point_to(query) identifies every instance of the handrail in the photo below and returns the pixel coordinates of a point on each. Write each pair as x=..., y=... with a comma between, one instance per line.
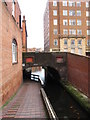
x=34, y=77
x=48, y=105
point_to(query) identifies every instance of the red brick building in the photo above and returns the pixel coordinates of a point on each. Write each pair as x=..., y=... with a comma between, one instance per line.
x=10, y=49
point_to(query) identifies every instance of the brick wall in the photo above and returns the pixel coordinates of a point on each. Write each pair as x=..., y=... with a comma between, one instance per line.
x=78, y=72
x=11, y=74
x=17, y=10
x=0, y=52
x=89, y=75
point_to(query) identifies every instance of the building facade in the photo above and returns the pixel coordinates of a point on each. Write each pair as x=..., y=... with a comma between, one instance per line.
x=10, y=49
x=67, y=26
x=24, y=35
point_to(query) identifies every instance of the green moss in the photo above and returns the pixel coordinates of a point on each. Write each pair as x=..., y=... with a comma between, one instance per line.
x=7, y=102
x=77, y=95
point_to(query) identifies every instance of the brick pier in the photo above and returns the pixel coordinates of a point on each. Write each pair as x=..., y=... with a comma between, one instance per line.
x=27, y=103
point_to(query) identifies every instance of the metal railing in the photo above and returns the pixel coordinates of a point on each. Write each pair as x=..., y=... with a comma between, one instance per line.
x=34, y=77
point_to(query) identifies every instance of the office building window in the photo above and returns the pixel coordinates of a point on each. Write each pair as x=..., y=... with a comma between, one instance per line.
x=79, y=42
x=72, y=32
x=54, y=12
x=78, y=13
x=54, y=3
x=64, y=12
x=65, y=42
x=71, y=3
x=87, y=4
x=88, y=42
x=64, y=3
x=55, y=42
x=14, y=51
x=87, y=13
x=65, y=31
x=72, y=22
x=65, y=50
x=79, y=23
x=78, y=4
x=72, y=42
x=88, y=23
x=72, y=50
x=88, y=32
x=55, y=31
x=71, y=12
x=55, y=21
x=65, y=22
x=80, y=51
x=79, y=32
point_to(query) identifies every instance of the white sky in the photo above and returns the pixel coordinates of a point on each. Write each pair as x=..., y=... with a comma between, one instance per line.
x=34, y=11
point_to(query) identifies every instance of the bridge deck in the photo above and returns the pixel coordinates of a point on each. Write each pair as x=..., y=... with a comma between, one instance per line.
x=27, y=103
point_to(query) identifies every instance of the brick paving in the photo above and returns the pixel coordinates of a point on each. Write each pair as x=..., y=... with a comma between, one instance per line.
x=27, y=103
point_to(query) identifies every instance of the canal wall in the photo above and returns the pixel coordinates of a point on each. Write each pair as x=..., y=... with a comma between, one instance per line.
x=79, y=72
x=11, y=73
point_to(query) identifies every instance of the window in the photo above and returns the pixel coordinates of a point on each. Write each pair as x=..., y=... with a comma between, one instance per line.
x=88, y=32
x=14, y=51
x=88, y=42
x=13, y=7
x=55, y=31
x=65, y=50
x=72, y=42
x=65, y=22
x=79, y=42
x=65, y=42
x=55, y=21
x=71, y=12
x=79, y=23
x=78, y=4
x=54, y=3
x=79, y=32
x=72, y=32
x=71, y=3
x=64, y=12
x=55, y=12
x=87, y=13
x=72, y=22
x=72, y=50
x=55, y=42
x=65, y=31
x=80, y=51
x=78, y=13
x=87, y=4
x=88, y=23
x=64, y=3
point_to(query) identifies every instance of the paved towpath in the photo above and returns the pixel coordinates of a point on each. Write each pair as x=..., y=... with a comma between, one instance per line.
x=27, y=103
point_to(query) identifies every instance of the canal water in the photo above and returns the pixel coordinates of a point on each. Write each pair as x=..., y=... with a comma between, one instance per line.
x=64, y=105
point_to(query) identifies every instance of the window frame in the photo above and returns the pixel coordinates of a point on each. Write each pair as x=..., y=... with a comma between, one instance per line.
x=78, y=4
x=14, y=52
x=54, y=12
x=55, y=22
x=65, y=13
x=54, y=3
x=79, y=21
x=78, y=12
x=65, y=22
x=64, y=3
x=55, y=42
x=88, y=42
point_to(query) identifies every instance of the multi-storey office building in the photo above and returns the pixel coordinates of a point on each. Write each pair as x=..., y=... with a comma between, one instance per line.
x=67, y=26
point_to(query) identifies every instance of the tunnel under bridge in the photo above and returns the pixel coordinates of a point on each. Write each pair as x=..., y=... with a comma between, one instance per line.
x=48, y=60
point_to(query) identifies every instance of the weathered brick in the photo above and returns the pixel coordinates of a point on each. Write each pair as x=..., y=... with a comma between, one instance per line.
x=10, y=74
